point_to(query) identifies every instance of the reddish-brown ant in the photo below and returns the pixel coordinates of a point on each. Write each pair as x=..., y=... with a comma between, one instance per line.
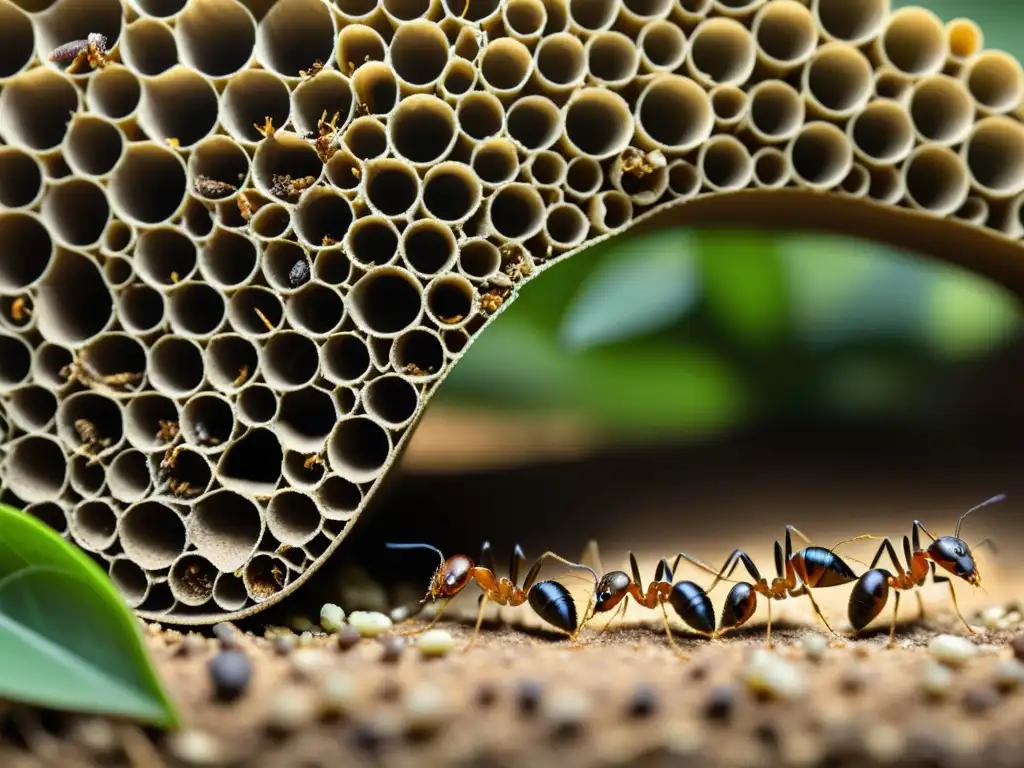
x=797, y=573
x=549, y=599
x=951, y=553
x=688, y=599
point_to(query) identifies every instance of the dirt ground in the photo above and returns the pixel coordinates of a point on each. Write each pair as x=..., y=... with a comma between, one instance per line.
x=523, y=697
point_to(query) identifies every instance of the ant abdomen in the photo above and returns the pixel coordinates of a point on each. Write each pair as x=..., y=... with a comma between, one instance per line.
x=868, y=597
x=693, y=605
x=824, y=568
x=553, y=603
x=740, y=604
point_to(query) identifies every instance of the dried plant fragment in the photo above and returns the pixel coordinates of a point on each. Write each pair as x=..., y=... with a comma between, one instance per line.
x=288, y=188
x=182, y=488
x=168, y=430
x=451, y=319
x=312, y=460
x=243, y=376
x=78, y=370
x=245, y=207
x=204, y=437
x=267, y=130
x=328, y=240
x=93, y=49
x=325, y=138
x=92, y=442
x=213, y=188
x=263, y=317
x=411, y=369
x=640, y=164
x=517, y=264
x=173, y=143
x=315, y=69
x=175, y=277
x=491, y=301
x=196, y=580
x=21, y=310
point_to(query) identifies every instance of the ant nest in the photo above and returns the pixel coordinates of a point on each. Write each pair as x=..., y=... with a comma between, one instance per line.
x=238, y=253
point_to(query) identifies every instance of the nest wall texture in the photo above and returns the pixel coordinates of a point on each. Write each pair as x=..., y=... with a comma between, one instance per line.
x=236, y=260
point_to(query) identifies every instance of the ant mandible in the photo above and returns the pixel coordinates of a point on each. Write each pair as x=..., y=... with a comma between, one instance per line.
x=689, y=600
x=549, y=599
x=796, y=574
x=951, y=553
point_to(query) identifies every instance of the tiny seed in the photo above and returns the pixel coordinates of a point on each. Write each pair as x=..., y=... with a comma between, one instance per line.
x=369, y=623
x=720, y=703
x=486, y=694
x=194, y=747
x=436, y=642
x=348, y=638
x=952, y=650
x=393, y=648
x=936, y=680
x=1009, y=674
x=332, y=618
x=190, y=645
x=528, y=696
x=338, y=693
x=644, y=701
x=290, y=710
x=284, y=644
x=979, y=700
x=230, y=672
x=389, y=689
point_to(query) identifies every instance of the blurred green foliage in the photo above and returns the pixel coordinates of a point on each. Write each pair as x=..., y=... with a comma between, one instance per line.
x=689, y=331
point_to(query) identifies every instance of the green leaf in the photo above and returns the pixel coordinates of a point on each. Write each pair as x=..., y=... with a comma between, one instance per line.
x=643, y=285
x=662, y=387
x=67, y=639
x=745, y=286
x=967, y=315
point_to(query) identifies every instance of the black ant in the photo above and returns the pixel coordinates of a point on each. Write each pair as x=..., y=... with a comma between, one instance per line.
x=951, y=553
x=689, y=600
x=796, y=574
x=549, y=599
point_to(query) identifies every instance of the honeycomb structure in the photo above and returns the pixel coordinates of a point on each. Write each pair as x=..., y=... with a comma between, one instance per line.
x=241, y=243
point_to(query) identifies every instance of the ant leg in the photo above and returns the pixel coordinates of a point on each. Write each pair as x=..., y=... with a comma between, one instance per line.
x=621, y=609
x=433, y=621
x=668, y=634
x=768, y=636
x=892, y=627
x=952, y=594
x=817, y=610
x=920, y=605
x=479, y=621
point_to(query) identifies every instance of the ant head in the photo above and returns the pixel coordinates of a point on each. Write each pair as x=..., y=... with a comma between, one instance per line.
x=451, y=577
x=954, y=555
x=610, y=590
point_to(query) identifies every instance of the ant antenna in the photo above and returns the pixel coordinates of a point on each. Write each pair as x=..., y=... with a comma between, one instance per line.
x=960, y=522
x=418, y=545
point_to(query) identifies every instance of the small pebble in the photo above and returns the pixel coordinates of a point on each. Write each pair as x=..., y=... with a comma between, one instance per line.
x=284, y=644
x=393, y=645
x=980, y=699
x=96, y=734
x=426, y=708
x=567, y=711
x=290, y=710
x=190, y=645
x=231, y=673
x=195, y=747
x=305, y=640
x=815, y=646
x=1018, y=647
x=952, y=650
x=768, y=734
x=229, y=636
x=1009, y=674
x=399, y=614
x=389, y=689
x=936, y=680
x=682, y=737
x=720, y=703
x=992, y=617
x=644, y=701
x=436, y=642
x=884, y=743
x=699, y=672
x=369, y=623
x=486, y=694
x=853, y=679
x=301, y=624
x=348, y=638
x=367, y=736
x=528, y=696
x=332, y=618
x=338, y=693
x=310, y=663
x=770, y=675
x=299, y=273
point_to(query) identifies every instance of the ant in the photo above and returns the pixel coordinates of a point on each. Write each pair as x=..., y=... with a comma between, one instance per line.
x=689, y=600
x=549, y=599
x=951, y=553
x=796, y=574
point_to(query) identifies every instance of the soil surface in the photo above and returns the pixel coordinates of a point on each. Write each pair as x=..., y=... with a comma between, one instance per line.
x=527, y=697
